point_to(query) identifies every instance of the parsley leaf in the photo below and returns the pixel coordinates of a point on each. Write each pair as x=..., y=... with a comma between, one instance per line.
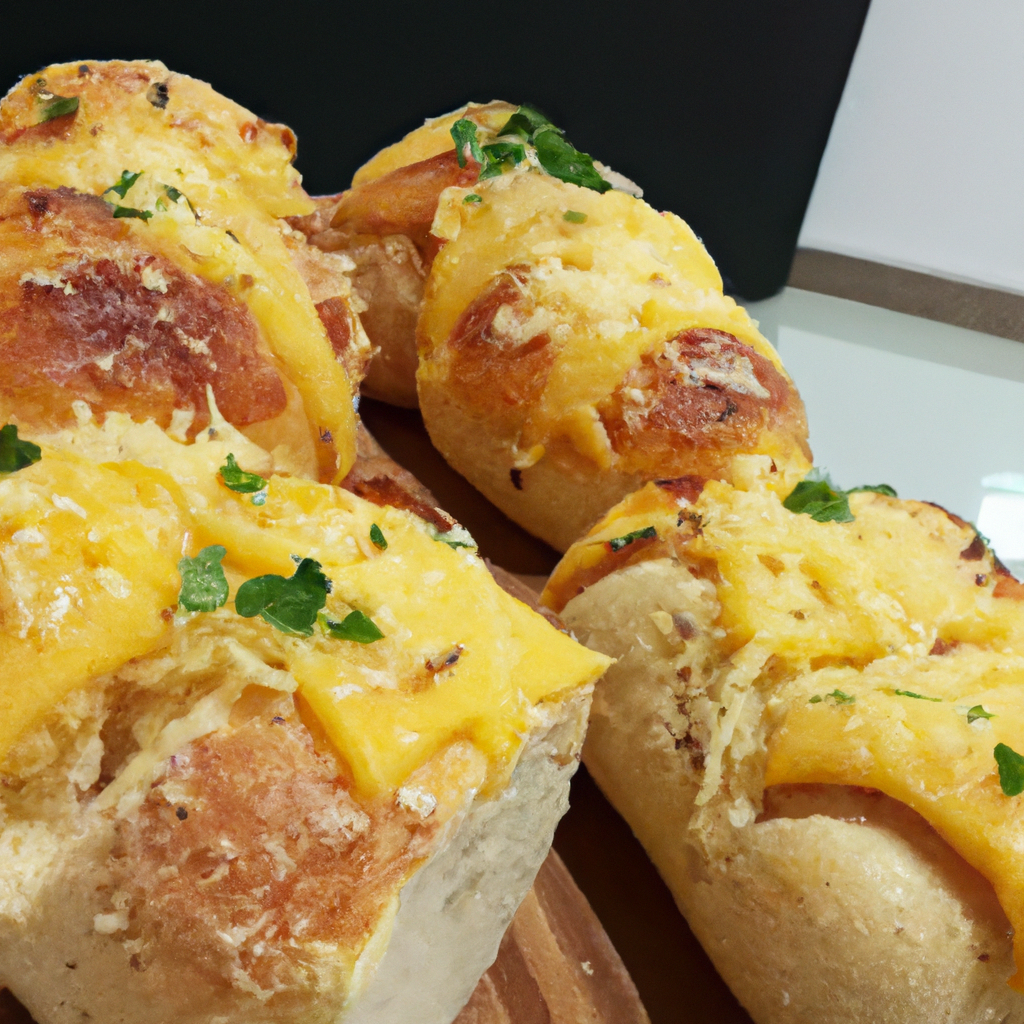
x=124, y=183
x=288, y=604
x=618, y=543
x=16, y=454
x=917, y=696
x=131, y=211
x=1011, y=769
x=498, y=156
x=237, y=479
x=356, y=626
x=464, y=134
x=204, y=587
x=58, y=107
x=563, y=161
x=377, y=537
x=574, y=216
x=473, y=198
x=817, y=497
x=836, y=695
x=977, y=712
x=524, y=123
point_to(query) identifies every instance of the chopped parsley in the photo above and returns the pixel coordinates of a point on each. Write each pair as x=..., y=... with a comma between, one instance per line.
x=916, y=696
x=473, y=198
x=466, y=147
x=574, y=216
x=618, y=543
x=456, y=537
x=131, y=211
x=58, y=107
x=356, y=626
x=500, y=155
x=204, y=588
x=289, y=604
x=1011, y=769
x=377, y=537
x=817, y=497
x=973, y=714
x=123, y=184
x=237, y=479
x=16, y=454
x=837, y=696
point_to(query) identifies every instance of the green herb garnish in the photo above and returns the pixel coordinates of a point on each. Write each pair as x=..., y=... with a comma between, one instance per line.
x=563, y=161
x=237, y=479
x=377, y=537
x=618, y=543
x=500, y=155
x=473, y=198
x=204, y=588
x=574, y=216
x=356, y=626
x=525, y=122
x=16, y=454
x=977, y=712
x=464, y=134
x=916, y=696
x=123, y=184
x=289, y=604
x=58, y=107
x=836, y=695
x=131, y=211
x=817, y=497
x=456, y=537
x=1011, y=769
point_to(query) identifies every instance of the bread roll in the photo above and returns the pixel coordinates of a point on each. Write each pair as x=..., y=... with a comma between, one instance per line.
x=171, y=275
x=213, y=817
x=802, y=729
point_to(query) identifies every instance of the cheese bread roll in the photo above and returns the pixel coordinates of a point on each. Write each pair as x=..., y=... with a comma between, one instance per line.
x=144, y=258
x=382, y=223
x=576, y=343
x=816, y=730
x=270, y=752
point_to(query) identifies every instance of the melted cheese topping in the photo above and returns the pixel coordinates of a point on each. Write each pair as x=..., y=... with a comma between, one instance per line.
x=236, y=172
x=862, y=646
x=89, y=564
x=607, y=290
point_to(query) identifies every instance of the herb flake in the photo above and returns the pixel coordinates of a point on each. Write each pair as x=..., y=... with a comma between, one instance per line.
x=237, y=479
x=463, y=133
x=377, y=537
x=123, y=184
x=59, y=106
x=204, y=588
x=973, y=714
x=817, y=497
x=916, y=696
x=1011, y=769
x=356, y=626
x=836, y=696
x=574, y=216
x=15, y=453
x=473, y=198
x=289, y=604
x=618, y=543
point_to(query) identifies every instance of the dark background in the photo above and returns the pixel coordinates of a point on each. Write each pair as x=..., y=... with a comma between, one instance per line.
x=719, y=109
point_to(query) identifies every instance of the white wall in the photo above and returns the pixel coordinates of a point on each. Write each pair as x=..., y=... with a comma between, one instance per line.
x=924, y=166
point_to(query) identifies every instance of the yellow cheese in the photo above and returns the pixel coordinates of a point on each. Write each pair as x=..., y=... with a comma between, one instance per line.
x=388, y=707
x=236, y=172
x=607, y=290
x=867, y=643
x=88, y=558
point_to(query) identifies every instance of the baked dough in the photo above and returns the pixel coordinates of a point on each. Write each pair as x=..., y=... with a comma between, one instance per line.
x=835, y=893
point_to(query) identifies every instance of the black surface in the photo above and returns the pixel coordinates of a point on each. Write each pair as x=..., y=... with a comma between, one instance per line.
x=720, y=109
